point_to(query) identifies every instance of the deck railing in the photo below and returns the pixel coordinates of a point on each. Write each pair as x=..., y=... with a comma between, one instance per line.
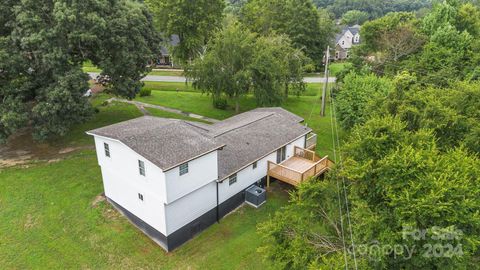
x=305, y=153
x=295, y=177
x=317, y=168
x=286, y=174
x=311, y=141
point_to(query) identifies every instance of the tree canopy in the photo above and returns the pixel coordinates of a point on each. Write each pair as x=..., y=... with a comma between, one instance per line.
x=441, y=48
x=238, y=61
x=308, y=29
x=193, y=21
x=43, y=46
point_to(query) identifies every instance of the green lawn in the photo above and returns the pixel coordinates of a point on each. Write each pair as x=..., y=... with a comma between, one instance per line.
x=166, y=72
x=336, y=67
x=107, y=115
x=201, y=104
x=169, y=86
x=89, y=67
x=164, y=114
x=48, y=221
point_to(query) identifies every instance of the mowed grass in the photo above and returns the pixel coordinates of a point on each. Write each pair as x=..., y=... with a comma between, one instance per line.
x=165, y=114
x=307, y=106
x=113, y=113
x=89, y=67
x=49, y=220
x=336, y=67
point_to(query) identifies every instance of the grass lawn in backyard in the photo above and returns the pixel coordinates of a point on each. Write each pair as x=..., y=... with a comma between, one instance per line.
x=164, y=114
x=50, y=215
x=49, y=220
x=307, y=106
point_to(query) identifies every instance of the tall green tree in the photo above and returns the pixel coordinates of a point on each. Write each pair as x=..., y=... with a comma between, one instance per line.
x=298, y=19
x=358, y=95
x=237, y=61
x=397, y=182
x=193, y=21
x=42, y=51
x=352, y=17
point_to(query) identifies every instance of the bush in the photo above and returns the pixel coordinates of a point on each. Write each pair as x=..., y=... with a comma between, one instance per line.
x=309, y=68
x=145, y=92
x=220, y=103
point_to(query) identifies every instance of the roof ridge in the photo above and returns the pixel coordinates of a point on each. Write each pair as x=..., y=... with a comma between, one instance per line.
x=244, y=125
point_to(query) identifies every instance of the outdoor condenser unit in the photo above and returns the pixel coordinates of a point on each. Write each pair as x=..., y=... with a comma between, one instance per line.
x=255, y=196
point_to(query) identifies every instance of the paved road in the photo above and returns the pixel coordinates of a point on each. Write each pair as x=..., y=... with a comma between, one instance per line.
x=156, y=78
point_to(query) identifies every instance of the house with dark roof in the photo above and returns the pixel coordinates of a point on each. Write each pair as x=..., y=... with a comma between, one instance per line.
x=164, y=59
x=174, y=178
x=345, y=40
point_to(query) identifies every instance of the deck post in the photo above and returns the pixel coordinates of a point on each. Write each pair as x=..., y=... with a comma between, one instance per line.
x=268, y=181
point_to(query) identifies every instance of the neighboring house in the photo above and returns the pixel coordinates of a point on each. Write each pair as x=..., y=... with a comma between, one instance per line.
x=350, y=36
x=165, y=57
x=174, y=178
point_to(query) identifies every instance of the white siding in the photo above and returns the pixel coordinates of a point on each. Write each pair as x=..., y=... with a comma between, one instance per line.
x=201, y=171
x=188, y=208
x=248, y=176
x=122, y=182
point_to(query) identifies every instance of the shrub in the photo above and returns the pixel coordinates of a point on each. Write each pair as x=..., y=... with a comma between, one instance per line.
x=220, y=103
x=145, y=92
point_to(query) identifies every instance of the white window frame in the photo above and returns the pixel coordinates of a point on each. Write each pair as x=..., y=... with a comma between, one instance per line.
x=183, y=169
x=106, y=147
x=140, y=196
x=141, y=167
x=232, y=179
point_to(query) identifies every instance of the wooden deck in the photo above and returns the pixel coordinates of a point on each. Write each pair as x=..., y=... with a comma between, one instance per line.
x=304, y=165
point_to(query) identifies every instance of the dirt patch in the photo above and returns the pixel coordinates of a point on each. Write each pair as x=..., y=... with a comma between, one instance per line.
x=111, y=214
x=95, y=87
x=30, y=222
x=98, y=199
x=21, y=149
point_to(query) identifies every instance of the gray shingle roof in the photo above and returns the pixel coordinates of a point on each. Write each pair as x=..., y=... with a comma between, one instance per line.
x=251, y=142
x=164, y=142
x=245, y=138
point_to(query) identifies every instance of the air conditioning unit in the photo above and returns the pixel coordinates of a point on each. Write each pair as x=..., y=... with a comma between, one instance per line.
x=255, y=196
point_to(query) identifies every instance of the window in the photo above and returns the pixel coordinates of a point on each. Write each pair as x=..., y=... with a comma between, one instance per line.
x=254, y=165
x=140, y=197
x=343, y=42
x=232, y=179
x=141, y=167
x=281, y=153
x=107, y=149
x=183, y=168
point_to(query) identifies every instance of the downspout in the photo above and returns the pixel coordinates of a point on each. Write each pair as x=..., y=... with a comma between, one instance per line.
x=218, y=215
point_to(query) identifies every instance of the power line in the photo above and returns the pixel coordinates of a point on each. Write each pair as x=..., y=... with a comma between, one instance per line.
x=333, y=117
x=339, y=199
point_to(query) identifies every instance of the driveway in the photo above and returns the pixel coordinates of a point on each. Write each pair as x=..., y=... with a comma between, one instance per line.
x=156, y=78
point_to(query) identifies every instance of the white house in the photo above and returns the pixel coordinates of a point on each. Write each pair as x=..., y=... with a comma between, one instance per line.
x=174, y=178
x=344, y=41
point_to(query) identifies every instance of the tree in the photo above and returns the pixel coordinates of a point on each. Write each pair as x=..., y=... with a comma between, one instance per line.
x=352, y=17
x=298, y=19
x=42, y=50
x=397, y=182
x=401, y=182
x=193, y=21
x=357, y=95
x=224, y=67
x=237, y=61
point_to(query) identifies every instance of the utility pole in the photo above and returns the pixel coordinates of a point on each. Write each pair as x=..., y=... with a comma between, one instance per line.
x=324, y=92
